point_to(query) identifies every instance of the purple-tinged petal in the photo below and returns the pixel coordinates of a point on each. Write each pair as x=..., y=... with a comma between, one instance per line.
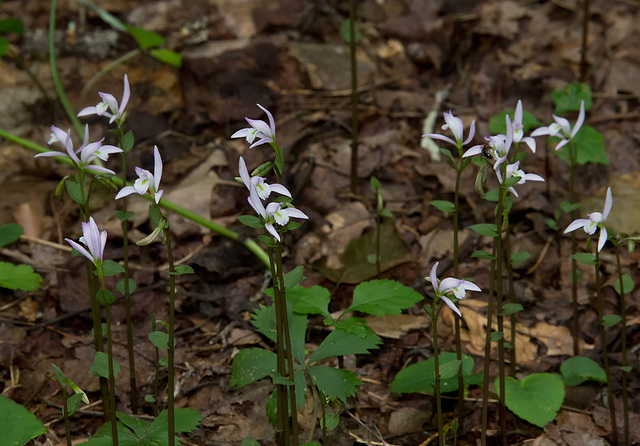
x=52, y=153
x=272, y=124
x=517, y=116
x=81, y=250
x=530, y=142
x=296, y=213
x=99, y=169
x=475, y=150
x=260, y=126
x=242, y=133
x=157, y=196
x=540, y=131
x=472, y=132
x=244, y=172
x=608, y=203
x=580, y=120
x=434, y=278
x=471, y=286
x=126, y=191
x=269, y=227
x=440, y=137
x=88, y=111
x=451, y=305
x=603, y=238
x=579, y=223
x=562, y=143
x=265, y=140
x=157, y=168
x=280, y=189
x=125, y=95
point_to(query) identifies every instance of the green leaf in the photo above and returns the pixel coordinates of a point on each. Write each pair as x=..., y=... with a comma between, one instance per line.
x=75, y=192
x=352, y=325
x=374, y=183
x=483, y=255
x=18, y=277
x=185, y=419
x=509, y=309
x=589, y=147
x=250, y=365
x=340, y=343
x=111, y=268
x=160, y=339
x=586, y=258
x=567, y=207
x=383, y=297
x=496, y=336
x=23, y=424
x=335, y=383
x=611, y=319
x=627, y=284
x=10, y=233
x=100, y=366
x=331, y=420
x=146, y=39
x=169, y=57
x=120, y=286
x=443, y=205
x=128, y=141
x=264, y=319
x=519, y=257
x=250, y=442
x=626, y=368
x=11, y=25
x=579, y=369
x=150, y=398
x=492, y=195
x=4, y=46
x=124, y=216
x=181, y=270
x=73, y=402
x=420, y=377
x=552, y=223
x=59, y=375
x=345, y=31
x=105, y=297
x=293, y=277
x=486, y=229
x=251, y=220
x=570, y=97
x=449, y=369
x=312, y=300
x=268, y=241
x=536, y=399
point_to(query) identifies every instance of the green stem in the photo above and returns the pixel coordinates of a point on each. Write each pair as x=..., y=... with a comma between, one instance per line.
x=499, y=298
x=250, y=244
x=487, y=351
x=171, y=349
x=354, y=97
x=112, y=381
x=575, y=327
x=65, y=413
x=456, y=263
x=512, y=299
x=625, y=360
x=156, y=381
x=605, y=354
x=436, y=362
x=54, y=73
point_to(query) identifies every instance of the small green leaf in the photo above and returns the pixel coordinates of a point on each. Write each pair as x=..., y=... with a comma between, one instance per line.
x=100, y=366
x=420, y=377
x=160, y=339
x=496, y=336
x=146, y=39
x=167, y=56
x=579, y=369
x=105, y=297
x=251, y=220
x=331, y=419
x=181, y=270
x=345, y=31
x=443, y=205
x=374, y=183
x=75, y=192
x=10, y=233
x=73, y=402
x=589, y=147
x=483, y=255
x=150, y=398
x=519, y=257
x=268, y=241
x=293, y=277
x=509, y=309
x=250, y=442
x=11, y=25
x=18, y=277
x=536, y=399
x=111, y=268
x=124, y=216
x=128, y=141
x=486, y=229
x=335, y=383
x=250, y=365
x=626, y=368
x=492, y=195
x=567, y=207
x=59, y=375
x=627, y=283
x=120, y=286
x=552, y=223
x=586, y=258
x=340, y=343
x=611, y=319
x=312, y=300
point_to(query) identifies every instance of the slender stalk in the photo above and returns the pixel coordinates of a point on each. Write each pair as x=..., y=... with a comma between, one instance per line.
x=65, y=413
x=156, y=380
x=112, y=380
x=354, y=97
x=378, y=223
x=436, y=368
x=456, y=262
x=625, y=359
x=499, y=297
x=512, y=299
x=584, y=66
x=248, y=243
x=487, y=352
x=575, y=327
x=605, y=354
x=171, y=350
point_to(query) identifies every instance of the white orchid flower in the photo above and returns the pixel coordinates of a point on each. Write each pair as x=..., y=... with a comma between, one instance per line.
x=562, y=128
x=451, y=285
x=258, y=129
x=513, y=170
x=259, y=183
x=457, y=128
x=109, y=105
x=147, y=182
x=596, y=220
x=93, y=239
x=518, y=129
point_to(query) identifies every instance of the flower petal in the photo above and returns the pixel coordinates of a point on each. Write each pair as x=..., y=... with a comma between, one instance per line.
x=81, y=250
x=603, y=238
x=126, y=191
x=434, y=278
x=579, y=223
x=157, y=168
x=608, y=203
x=451, y=305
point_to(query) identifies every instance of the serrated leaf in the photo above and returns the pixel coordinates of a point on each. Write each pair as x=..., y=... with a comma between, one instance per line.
x=181, y=270
x=509, y=309
x=10, y=233
x=250, y=365
x=611, y=319
x=519, y=257
x=627, y=284
x=100, y=366
x=340, y=343
x=579, y=369
x=23, y=424
x=586, y=258
x=312, y=300
x=536, y=399
x=420, y=377
x=486, y=229
x=352, y=325
x=18, y=277
x=383, y=298
x=335, y=383
x=443, y=205
x=264, y=319
x=483, y=255
x=111, y=268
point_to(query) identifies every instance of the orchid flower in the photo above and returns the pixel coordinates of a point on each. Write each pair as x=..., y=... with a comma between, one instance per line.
x=455, y=125
x=513, y=170
x=147, y=182
x=258, y=129
x=109, y=106
x=518, y=129
x=93, y=239
x=259, y=183
x=498, y=145
x=596, y=220
x=562, y=129
x=451, y=285
x=274, y=213
x=88, y=151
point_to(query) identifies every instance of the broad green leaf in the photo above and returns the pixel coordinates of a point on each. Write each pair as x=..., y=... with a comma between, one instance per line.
x=331, y=419
x=352, y=325
x=443, y=205
x=627, y=284
x=169, y=57
x=181, y=270
x=579, y=369
x=611, y=319
x=335, y=383
x=4, y=46
x=185, y=420
x=509, y=309
x=420, y=377
x=125, y=437
x=449, y=369
x=312, y=300
x=128, y=140
x=251, y=220
x=383, y=297
x=160, y=339
x=536, y=399
x=496, y=336
x=492, y=195
x=120, y=285
x=497, y=123
x=75, y=192
x=293, y=277
x=519, y=257
x=340, y=343
x=10, y=233
x=20, y=425
x=105, y=297
x=11, y=25
x=18, y=277
x=59, y=375
x=589, y=147
x=100, y=366
x=483, y=255
x=586, y=258
x=73, y=402
x=250, y=442
x=250, y=365
x=570, y=97
x=486, y=229
x=146, y=39
x=111, y=268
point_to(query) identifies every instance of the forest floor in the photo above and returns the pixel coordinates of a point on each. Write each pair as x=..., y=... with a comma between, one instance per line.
x=289, y=56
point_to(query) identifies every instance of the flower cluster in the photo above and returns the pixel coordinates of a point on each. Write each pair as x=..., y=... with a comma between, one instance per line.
x=449, y=286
